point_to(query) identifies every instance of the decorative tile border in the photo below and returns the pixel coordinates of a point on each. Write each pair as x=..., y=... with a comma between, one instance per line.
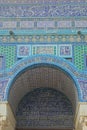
x=63, y=39
x=71, y=67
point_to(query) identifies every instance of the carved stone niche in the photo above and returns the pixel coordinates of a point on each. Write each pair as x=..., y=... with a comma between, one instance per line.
x=83, y=122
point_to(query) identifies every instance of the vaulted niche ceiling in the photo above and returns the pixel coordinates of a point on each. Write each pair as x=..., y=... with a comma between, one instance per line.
x=42, y=76
x=44, y=108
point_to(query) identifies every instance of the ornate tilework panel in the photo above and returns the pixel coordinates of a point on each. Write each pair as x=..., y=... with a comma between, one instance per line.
x=79, y=54
x=23, y=50
x=45, y=108
x=3, y=84
x=46, y=24
x=44, y=49
x=64, y=24
x=83, y=86
x=65, y=50
x=26, y=24
x=9, y=53
x=81, y=23
x=62, y=10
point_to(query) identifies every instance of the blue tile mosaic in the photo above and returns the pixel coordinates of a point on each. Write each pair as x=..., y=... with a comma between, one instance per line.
x=52, y=16
x=43, y=11
x=44, y=107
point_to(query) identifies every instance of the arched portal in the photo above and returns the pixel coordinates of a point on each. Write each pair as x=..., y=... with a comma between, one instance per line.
x=43, y=75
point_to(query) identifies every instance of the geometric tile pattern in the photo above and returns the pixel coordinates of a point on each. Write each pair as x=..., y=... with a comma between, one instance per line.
x=44, y=107
x=46, y=15
x=79, y=56
x=12, y=53
x=46, y=59
x=41, y=38
x=9, y=53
